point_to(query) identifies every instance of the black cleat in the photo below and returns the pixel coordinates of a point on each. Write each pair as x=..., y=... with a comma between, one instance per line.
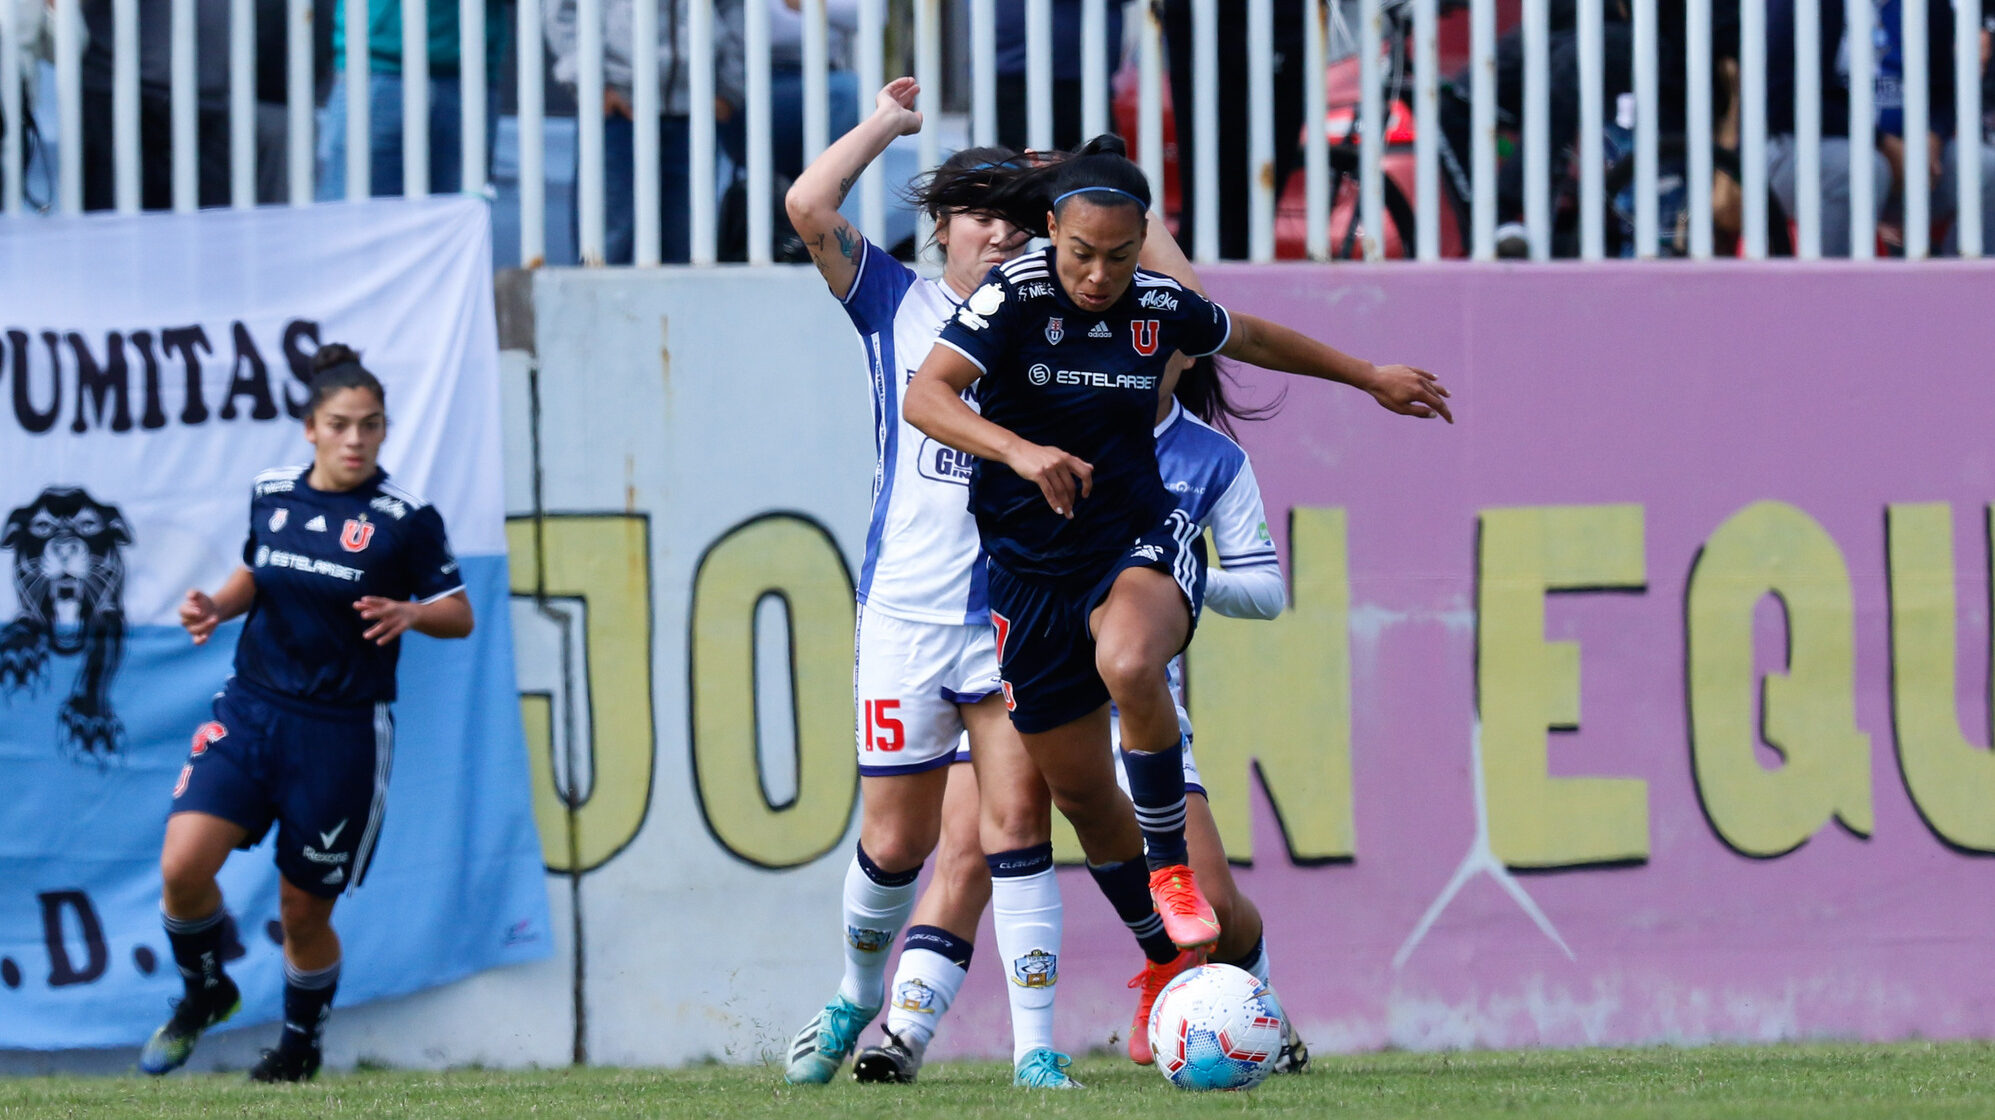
x=286, y=1064
x=893, y=1061
x=1294, y=1054
x=173, y=1043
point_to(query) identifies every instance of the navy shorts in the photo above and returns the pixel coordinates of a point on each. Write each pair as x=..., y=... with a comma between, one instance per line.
x=1045, y=651
x=319, y=773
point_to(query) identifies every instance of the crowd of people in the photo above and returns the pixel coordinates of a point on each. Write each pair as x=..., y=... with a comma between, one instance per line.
x=1949, y=139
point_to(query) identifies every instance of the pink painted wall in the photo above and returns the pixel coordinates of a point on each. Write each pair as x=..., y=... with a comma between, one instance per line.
x=1692, y=391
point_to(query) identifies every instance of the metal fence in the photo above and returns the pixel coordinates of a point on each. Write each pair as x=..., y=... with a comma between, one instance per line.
x=1398, y=70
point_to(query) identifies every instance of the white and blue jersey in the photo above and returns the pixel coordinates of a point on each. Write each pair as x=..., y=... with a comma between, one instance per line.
x=1213, y=482
x=313, y=553
x=923, y=562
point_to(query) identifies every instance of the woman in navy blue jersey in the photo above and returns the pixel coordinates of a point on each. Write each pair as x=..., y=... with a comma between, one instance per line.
x=339, y=564
x=1096, y=577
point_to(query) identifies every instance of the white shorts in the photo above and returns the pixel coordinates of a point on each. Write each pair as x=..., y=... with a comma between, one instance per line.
x=907, y=683
x=1192, y=782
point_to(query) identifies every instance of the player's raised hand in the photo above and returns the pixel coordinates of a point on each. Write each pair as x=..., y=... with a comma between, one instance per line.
x=391, y=617
x=199, y=616
x=1058, y=475
x=896, y=103
x=1411, y=392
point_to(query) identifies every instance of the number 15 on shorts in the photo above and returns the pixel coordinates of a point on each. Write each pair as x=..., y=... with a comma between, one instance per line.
x=884, y=730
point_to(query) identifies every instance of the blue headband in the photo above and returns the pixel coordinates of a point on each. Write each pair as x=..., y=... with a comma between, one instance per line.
x=1140, y=205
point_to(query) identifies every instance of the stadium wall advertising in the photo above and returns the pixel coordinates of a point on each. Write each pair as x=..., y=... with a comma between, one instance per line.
x=1648, y=703
x=151, y=367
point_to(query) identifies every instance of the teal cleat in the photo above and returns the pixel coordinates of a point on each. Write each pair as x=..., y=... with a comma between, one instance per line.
x=1044, y=1069
x=826, y=1041
x=172, y=1044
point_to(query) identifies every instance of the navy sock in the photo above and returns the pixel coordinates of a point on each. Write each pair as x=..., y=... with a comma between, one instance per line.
x=308, y=1000
x=1157, y=786
x=1251, y=958
x=197, y=949
x=941, y=942
x=1126, y=885
x=883, y=877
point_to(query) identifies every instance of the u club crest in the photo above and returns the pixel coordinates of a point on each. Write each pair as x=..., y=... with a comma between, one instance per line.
x=356, y=533
x=1055, y=331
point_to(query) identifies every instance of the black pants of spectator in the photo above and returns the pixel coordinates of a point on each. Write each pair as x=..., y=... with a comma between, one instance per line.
x=155, y=154
x=1235, y=176
x=1617, y=78
x=1013, y=126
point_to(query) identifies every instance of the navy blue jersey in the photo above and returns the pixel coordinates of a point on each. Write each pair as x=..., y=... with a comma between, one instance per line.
x=315, y=553
x=1085, y=383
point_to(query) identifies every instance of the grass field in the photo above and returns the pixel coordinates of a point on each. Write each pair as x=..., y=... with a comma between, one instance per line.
x=1908, y=1080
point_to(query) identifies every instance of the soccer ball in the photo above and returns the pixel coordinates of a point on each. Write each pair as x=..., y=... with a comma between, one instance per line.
x=1216, y=1027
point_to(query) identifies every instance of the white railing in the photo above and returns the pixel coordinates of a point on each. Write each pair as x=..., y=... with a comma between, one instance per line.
x=1396, y=60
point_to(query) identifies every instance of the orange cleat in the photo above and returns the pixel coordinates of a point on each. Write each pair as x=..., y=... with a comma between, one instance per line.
x=1188, y=918
x=1149, y=983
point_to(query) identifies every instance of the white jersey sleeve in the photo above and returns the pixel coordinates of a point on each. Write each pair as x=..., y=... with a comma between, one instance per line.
x=1249, y=582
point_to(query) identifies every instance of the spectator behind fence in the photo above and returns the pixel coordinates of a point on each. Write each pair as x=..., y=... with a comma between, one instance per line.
x=384, y=98
x=1617, y=78
x=1938, y=158
x=1234, y=126
x=211, y=52
x=1012, y=123
x=786, y=80
x=674, y=131
x=1782, y=150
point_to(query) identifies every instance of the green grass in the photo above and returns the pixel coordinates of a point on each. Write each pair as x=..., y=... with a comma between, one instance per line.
x=1760, y=1083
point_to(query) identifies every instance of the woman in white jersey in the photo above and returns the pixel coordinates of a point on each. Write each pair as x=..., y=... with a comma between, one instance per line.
x=926, y=659
x=1214, y=483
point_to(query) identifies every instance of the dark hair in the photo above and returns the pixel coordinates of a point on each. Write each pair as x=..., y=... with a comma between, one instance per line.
x=337, y=366
x=939, y=192
x=1204, y=389
x=1022, y=192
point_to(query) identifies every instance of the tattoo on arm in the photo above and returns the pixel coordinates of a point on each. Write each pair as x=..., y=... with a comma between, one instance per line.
x=845, y=187
x=848, y=241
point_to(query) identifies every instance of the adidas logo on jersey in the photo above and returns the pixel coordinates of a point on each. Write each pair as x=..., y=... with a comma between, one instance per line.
x=317, y=524
x=1101, y=331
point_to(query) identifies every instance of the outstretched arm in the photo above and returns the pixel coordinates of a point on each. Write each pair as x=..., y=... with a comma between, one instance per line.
x=814, y=198
x=1403, y=389
x=935, y=405
x=200, y=613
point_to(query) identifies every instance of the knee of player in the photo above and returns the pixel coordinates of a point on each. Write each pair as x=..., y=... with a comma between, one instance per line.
x=1010, y=827
x=1129, y=670
x=183, y=879
x=895, y=850
x=302, y=913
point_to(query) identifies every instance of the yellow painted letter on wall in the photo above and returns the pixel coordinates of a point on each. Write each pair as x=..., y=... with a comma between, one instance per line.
x=1952, y=781
x=1809, y=712
x=788, y=556
x=599, y=569
x=1526, y=684
x=1278, y=693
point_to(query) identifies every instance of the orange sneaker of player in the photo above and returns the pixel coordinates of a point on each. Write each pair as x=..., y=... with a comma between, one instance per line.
x=1150, y=982
x=1188, y=918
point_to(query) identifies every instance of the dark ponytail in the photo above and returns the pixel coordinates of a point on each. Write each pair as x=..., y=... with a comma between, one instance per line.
x=963, y=174
x=337, y=366
x=1205, y=390
x=1022, y=191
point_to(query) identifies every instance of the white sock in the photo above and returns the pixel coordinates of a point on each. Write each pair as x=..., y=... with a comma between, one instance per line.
x=925, y=984
x=874, y=915
x=1026, y=912
x=1259, y=969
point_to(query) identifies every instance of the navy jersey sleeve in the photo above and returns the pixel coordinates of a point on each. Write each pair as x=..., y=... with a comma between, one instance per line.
x=432, y=569
x=877, y=290
x=249, y=537
x=1205, y=326
x=982, y=329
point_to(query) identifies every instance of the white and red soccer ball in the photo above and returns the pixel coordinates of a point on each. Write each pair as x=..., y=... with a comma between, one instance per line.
x=1216, y=1027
